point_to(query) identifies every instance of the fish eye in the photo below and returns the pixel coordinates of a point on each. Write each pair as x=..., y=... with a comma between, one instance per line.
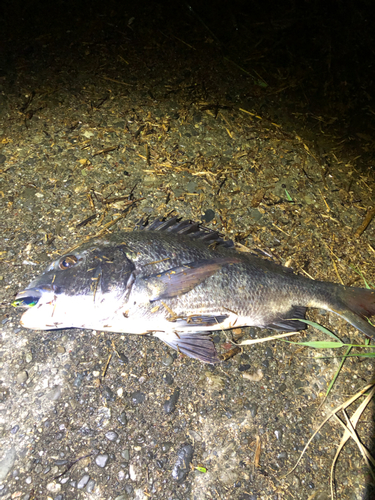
x=67, y=262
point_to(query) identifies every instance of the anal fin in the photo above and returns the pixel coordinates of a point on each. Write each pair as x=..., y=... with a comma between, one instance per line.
x=285, y=322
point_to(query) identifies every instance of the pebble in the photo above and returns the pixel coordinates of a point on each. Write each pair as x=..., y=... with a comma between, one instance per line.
x=108, y=394
x=132, y=473
x=125, y=455
x=182, y=465
x=22, y=377
x=253, y=407
x=83, y=481
x=14, y=429
x=53, y=487
x=78, y=380
x=194, y=435
x=166, y=446
x=254, y=377
x=7, y=463
x=90, y=486
x=167, y=360
x=101, y=460
x=167, y=378
x=268, y=352
x=208, y=216
x=60, y=349
x=28, y=357
x=138, y=397
x=111, y=435
x=279, y=434
x=243, y=368
x=123, y=359
x=170, y=405
x=122, y=418
x=61, y=462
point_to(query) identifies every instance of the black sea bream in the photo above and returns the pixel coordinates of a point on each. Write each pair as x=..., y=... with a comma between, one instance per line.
x=179, y=283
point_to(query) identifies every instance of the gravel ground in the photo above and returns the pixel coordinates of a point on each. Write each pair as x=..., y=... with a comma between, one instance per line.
x=110, y=114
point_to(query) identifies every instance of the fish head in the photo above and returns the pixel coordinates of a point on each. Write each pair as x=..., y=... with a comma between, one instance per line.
x=81, y=289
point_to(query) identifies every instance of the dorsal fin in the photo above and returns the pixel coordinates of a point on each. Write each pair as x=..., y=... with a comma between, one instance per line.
x=187, y=228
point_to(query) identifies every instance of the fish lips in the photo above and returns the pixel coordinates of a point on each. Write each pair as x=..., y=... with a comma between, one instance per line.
x=32, y=296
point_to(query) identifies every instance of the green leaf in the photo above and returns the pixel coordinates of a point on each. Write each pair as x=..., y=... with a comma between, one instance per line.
x=338, y=370
x=288, y=197
x=201, y=469
x=319, y=327
x=361, y=275
x=319, y=344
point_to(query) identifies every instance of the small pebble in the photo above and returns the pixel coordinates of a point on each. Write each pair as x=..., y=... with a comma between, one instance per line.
x=122, y=418
x=167, y=378
x=53, y=487
x=194, y=435
x=22, y=377
x=78, y=380
x=208, y=216
x=167, y=360
x=60, y=462
x=243, y=368
x=279, y=434
x=83, y=481
x=111, y=435
x=182, y=465
x=170, y=405
x=268, y=352
x=60, y=349
x=108, y=394
x=253, y=407
x=166, y=446
x=101, y=460
x=122, y=358
x=90, y=486
x=254, y=377
x=138, y=397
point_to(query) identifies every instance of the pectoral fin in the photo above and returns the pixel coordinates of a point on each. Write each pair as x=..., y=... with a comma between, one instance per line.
x=179, y=280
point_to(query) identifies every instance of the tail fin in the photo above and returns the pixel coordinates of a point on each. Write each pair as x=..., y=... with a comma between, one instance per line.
x=356, y=305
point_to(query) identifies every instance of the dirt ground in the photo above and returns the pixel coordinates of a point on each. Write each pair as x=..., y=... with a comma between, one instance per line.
x=257, y=120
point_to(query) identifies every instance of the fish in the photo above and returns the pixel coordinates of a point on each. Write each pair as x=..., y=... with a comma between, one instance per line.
x=180, y=282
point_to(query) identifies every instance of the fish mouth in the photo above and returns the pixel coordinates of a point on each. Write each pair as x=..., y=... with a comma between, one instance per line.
x=31, y=296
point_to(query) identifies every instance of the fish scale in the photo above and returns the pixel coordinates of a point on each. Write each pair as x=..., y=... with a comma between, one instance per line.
x=179, y=282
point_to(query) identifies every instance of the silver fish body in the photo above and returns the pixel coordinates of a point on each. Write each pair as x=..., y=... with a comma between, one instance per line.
x=179, y=283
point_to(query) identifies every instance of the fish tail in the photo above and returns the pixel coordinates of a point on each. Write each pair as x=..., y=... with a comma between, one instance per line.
x=357, y=305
